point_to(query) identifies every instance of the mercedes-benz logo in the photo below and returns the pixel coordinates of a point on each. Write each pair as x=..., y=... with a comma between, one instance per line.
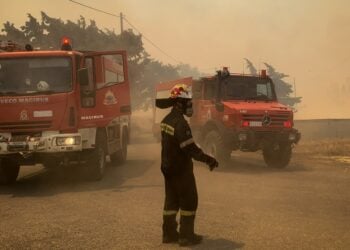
x=266, y=121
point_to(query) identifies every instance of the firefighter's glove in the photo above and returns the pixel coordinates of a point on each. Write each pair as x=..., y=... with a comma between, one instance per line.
x=212, y=163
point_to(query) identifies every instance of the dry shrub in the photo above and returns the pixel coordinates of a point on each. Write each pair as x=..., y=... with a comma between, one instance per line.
x=329, y=147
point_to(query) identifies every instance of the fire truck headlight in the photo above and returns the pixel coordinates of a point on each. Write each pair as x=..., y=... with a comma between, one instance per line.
x=67, y=141
x=3, y=139
x=225, y=118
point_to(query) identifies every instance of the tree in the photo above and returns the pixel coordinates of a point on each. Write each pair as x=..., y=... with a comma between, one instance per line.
x=283, y=88
x=33, y=31
x=251, y=67
x=12, y=33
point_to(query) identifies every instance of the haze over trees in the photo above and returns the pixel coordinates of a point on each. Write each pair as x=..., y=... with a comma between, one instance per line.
x=144, y=71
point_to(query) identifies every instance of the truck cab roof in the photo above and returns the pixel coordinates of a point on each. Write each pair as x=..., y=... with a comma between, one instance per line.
x=40, y=53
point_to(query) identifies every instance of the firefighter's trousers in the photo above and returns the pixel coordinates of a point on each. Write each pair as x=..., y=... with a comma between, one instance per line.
x=180, y=194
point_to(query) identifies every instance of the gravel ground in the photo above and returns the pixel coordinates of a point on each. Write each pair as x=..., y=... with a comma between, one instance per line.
x=244, y=205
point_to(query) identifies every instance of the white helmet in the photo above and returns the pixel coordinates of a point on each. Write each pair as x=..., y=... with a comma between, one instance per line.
x=43, y=86
x=181, y=91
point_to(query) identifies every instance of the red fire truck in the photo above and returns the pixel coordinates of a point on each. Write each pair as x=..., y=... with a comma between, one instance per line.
x=60, y=107
x=238, y=112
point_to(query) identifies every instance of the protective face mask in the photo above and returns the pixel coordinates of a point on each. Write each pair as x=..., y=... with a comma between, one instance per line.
x=188, y=109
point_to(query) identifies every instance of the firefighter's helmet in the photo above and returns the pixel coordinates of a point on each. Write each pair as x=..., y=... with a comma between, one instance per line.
x=181, y=91
x=43, y=86
x=178, y=92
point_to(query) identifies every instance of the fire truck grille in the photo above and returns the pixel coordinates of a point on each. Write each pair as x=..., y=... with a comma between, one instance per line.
x=25, y=125
x=276, y=119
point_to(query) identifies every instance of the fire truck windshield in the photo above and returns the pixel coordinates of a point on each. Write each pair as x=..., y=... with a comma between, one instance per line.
x=248, y=88
x=31, y=76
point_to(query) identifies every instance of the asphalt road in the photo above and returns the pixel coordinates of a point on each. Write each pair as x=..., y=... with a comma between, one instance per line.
x=242, y=206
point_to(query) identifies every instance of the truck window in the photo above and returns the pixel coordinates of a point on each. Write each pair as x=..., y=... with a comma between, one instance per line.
x=248, y=89
x=264, y=89
x=113, y=70
x=89, y=64
x=23, y=76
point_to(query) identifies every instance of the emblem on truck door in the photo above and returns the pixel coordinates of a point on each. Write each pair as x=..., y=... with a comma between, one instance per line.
x=109, y=98
x=23, y=116
x=266, y=120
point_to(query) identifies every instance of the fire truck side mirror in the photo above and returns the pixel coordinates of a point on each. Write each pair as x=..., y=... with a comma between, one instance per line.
x=219, y=107
x=83, y=77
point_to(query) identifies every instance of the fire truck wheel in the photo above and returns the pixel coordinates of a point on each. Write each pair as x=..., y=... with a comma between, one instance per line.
x=279, y=156
x=119, y=157
x=97, y=159
x=9, y=170
x=214, y=146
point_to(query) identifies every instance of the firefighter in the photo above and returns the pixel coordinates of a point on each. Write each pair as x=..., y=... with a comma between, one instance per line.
x=178, y=149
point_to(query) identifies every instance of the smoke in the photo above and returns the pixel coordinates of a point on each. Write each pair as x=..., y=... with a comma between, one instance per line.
x=309, y=40
x=331, y=101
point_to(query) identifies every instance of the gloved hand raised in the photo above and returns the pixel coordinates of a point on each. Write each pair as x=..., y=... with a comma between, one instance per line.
x=212, y=163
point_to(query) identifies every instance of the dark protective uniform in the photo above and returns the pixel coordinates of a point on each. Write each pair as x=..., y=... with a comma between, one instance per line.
x=178, y=149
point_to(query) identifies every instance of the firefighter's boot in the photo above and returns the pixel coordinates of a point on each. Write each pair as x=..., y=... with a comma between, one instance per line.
x=170, y=234
x=187, y=236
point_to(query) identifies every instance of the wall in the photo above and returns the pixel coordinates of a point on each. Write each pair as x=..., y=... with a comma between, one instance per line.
x=323, y=128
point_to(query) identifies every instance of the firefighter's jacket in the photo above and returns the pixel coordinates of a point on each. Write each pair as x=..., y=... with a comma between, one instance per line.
x=178, y=147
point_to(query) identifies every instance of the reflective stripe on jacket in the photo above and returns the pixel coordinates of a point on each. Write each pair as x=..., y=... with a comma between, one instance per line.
x=178, y=146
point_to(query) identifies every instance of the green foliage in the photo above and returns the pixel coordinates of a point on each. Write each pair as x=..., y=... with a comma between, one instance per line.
x=282, y=87
x=144, y=72
x=12, y=33
x=251, y=67
x=33, y=31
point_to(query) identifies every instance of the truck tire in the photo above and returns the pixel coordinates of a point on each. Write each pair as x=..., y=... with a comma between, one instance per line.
x=9, y=170
x=214, y=146
x=278, y=157
x=119, y=157
x=96, y=161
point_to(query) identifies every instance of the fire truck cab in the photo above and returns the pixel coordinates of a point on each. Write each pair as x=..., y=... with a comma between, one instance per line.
x=63, y=106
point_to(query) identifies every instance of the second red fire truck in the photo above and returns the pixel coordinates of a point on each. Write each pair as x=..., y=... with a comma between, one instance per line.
x=237, y=112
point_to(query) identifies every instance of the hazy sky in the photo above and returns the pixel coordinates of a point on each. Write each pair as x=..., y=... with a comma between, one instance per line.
x=309, y=40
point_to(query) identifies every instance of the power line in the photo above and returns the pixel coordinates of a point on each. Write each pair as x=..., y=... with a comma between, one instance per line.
x=92, y=8
x=131, y=25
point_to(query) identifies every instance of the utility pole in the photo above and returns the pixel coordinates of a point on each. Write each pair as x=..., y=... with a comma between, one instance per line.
x=295, y=88
x=121, y=23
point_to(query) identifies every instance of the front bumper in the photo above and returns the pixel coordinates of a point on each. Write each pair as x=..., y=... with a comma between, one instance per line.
x=253, y=140
x=53, y=143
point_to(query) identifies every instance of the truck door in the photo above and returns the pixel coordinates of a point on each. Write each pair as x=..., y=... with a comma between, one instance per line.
x=197, y=96
x=207, y=103
x=105, y=102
